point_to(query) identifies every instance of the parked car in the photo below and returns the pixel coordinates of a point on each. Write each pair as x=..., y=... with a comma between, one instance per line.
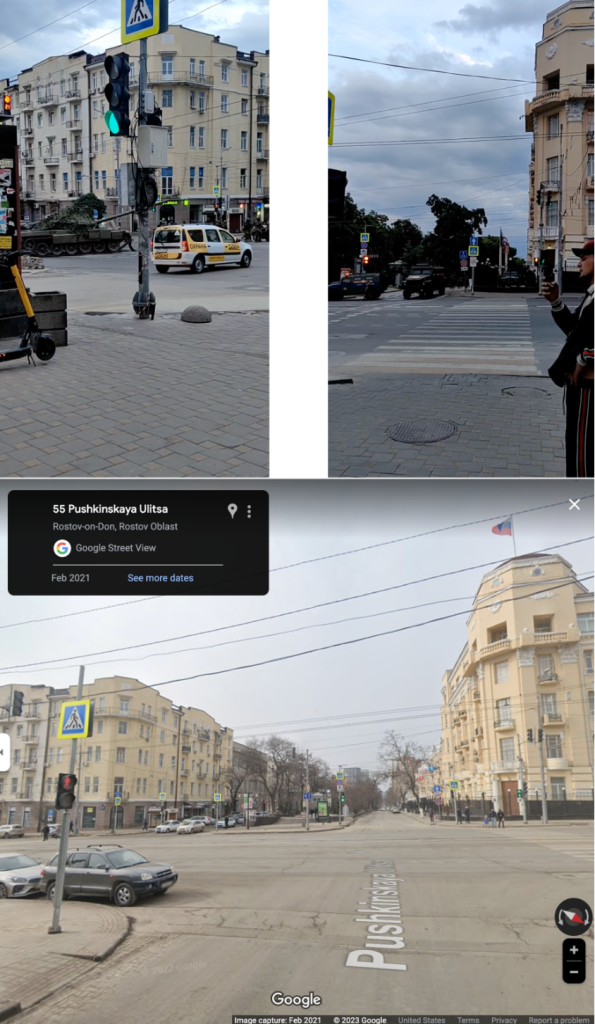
x=191, y=825
x=510, y=279
x=20, y=875
x=12, y=831
x=206, y=820
x=54, y=832
x=110, y=871
x=168, y=826
x=230, y=823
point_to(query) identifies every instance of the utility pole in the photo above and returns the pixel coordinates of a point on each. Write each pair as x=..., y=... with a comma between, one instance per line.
x=55, y=926
x=543, y=789
x=560, y=232
x=307, y=790
x=143, y=301
x=540, y=236
x=118, y=182
x=522, y=781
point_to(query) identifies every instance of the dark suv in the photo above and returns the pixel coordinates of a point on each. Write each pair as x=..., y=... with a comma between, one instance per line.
x=424, y=280
x=109, y=871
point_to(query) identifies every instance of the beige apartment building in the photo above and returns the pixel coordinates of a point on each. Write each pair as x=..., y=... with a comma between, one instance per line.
x=527, y=665
x=215, y=104
x=560, y=117
x=162, y=759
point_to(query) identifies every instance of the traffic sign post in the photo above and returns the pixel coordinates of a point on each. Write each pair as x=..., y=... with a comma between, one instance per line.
x=364, y=237
x=143, y=18
x=462, y=254
x=162, y=797
x=473, y=252
x=331, y=117
x=216, y=190
x=55, y=927
x=76, y=720
x=340, y=776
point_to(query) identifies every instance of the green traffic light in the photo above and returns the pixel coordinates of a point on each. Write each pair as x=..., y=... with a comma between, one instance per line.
x=112, y=122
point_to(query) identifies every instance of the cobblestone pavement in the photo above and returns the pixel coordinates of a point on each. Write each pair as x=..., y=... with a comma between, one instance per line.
x=505, y=426
x=131, y=398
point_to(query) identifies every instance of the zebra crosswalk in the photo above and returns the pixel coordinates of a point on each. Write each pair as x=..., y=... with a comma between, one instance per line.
x=479, y=337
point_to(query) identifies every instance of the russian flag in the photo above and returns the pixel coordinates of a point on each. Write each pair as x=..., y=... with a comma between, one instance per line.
x=503, y=529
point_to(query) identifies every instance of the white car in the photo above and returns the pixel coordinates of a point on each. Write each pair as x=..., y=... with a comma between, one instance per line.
x=168, y=826
x=206, y=820
x=197, y=247
x=231, y=823
x=20, y=875
x=190, y=825
x=11, y=831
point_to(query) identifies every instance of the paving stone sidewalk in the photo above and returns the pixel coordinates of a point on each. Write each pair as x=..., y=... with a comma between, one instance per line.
x=35, y=964
x=131, y=398
x=505, y=426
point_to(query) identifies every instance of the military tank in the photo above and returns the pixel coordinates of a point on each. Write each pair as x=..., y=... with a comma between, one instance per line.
x=76, y=230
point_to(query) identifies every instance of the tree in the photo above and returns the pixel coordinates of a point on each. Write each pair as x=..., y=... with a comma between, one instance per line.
x=363, y=796
x=400, y=764
x=407, y=242
x=454, y=226
x=273, y=766
x=243, y=767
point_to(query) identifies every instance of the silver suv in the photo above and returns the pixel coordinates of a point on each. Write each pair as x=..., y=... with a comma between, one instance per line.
x=109, y=871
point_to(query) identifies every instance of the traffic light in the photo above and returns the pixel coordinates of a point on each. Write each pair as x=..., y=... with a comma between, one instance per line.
x=540, y=735
x=536, y=261
x=18, y=698
x=548, y=199
x=117, y=94
x=65, y=796
x=7, y=105
x=365, y=260
x=529, y=735
x=155, y=117
x=525, y=790
x=538, y=197
x=342, y=798
x=337, y=183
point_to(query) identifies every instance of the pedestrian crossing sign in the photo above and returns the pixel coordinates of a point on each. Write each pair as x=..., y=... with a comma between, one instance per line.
x=142, y=18
x=216, y=190
x=75, y=720
x=453, y=784
x=217, y=797
x=474, y=250
x=163, y=796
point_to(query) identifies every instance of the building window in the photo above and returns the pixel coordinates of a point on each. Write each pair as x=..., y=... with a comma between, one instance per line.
x=243, y=177
x=95, y=143
x=170, y=137
x=52, y=182
x=591, y=704
x=224, y=73
x=77, y=110
x=51, y=117
x=552, y=169
x=94, y=81
x=96, y=176
x=551, y=214
x=87, y=784
x=259, y=142
x=102, y=80
x=140, y=757
x=224, y=138
x=163, y=717
x=96, y=784
x=138, y=782
x=549, y=704
x=65, y=182
x=244, y=76
x=167, y=98
x=588, y=658
x=120, y=755
x=192, y=136
x=542, y=624
x=98, y=753
x=202, y=103
x=167, y=67
x=201, y=68
x=507, y=749
x=590, y=165
x=192, y=174
x=553, y=745
x=504, y=711
x=124, y=705
x=201, y=177
x=553, y=126
x=224, y=104
x=584, y=622
x=192, y=99
x=64, y=146
x=59, y=753
x=95, y=109
x=244, y=141
x=244, y=106
x=545, y=668
x=103, y=144
x=13, y=785
x=40, y=120
x=161, y=760
x=41, y=183
x=224, y=177
x=558, y=789
x=589, y=213
x=171, y=789
x=146, y=757
x=501, y=672
x=104, y=180
x=192, y=65
x=201, y=138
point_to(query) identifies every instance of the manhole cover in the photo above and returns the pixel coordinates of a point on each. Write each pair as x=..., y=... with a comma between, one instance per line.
x=522, y=392
x=421, y=431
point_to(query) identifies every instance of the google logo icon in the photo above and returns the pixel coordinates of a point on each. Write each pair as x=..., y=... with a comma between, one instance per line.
x=62, y=548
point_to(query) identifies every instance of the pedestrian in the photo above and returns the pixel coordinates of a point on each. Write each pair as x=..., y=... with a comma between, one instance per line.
x=145, y=825
x=573, y=369
x=431, y=815
x=467, y=813
x=46, y=832
x=500, y=818
x=227, y=821
x=486, y=821
x=71, y=827
x=493, y=817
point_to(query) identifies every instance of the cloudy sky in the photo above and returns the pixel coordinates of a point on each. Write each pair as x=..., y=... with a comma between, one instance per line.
x=95, y=24
x=371, y=683
x=377, y=104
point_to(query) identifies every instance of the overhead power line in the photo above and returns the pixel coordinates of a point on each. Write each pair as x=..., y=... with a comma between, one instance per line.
x=434, y=71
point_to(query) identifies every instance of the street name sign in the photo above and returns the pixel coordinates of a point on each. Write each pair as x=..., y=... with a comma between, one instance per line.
x=143, y=18
x=75, y=720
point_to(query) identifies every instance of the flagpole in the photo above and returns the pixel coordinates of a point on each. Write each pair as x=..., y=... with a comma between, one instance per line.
x=513, y=536
x=500, y=254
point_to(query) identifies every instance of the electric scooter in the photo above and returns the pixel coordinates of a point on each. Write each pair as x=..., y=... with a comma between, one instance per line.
x=33, y=341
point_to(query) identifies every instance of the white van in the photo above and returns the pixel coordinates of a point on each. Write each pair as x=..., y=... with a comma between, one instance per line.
x=196, y=246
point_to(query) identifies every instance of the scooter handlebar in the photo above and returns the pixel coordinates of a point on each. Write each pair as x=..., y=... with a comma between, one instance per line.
x=11, y=257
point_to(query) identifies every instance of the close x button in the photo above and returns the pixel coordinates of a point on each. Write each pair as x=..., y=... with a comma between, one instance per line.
x=573, y=961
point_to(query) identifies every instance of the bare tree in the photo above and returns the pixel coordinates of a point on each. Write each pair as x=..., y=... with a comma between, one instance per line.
x=244, y=766
x=364, y=795
x=400, y=763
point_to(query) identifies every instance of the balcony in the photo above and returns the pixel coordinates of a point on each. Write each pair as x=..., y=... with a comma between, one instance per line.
x=262, y=118
x=589, y=181
x=170, y=191
x=204, y=734
x=29, y=158
x=556, y=764
x=30, y=739
x=118, y=713
x=48, y=101
x=553, y=718
x=263, y=90
x=177, y=78
x=502, y=724
x=76, y=157
x=479, y=730
x=496, y=648
x=548, y=677
x=217, y=753
x=28, y=131
x=32, y=713
x=552, y=98
x=184, y=773
x=186, y=748
x=72, y=94
x=262, y=154
x=27, y=104
x=503, y=766
x=111, y=193
x=31, y=765
x=75, y=125
x=200, y=773
x=477, y=695
x=548, y=230
x=53, y=158
x=550, y=638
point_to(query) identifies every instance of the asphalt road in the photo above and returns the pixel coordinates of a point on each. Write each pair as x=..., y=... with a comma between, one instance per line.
x=107, y=283
x=490, y=333
x=265, y=912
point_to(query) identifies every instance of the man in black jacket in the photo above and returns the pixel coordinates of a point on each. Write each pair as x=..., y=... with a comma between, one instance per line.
x=573, y=369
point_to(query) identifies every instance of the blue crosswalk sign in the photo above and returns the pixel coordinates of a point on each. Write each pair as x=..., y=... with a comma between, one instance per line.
x=142, y=18
x=75, y=719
